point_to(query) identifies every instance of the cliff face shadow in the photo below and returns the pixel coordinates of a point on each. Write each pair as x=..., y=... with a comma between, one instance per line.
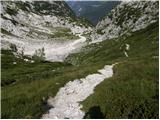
x=94, y=113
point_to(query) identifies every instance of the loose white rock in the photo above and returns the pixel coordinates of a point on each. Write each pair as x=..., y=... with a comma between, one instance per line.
x=32, y=61
x=126, y=54
x=127, y=46
x=66, y=103
x=26, y=60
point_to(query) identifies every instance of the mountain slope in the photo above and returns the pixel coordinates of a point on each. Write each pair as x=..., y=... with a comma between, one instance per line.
x=93, y=11
x=35, y=25
x=132, y=92
x=127, y=17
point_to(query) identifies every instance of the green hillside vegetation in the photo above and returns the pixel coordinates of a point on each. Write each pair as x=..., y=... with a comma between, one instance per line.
x=132, y=92
x=26, y=86
x=6, y=32
x=60, y=33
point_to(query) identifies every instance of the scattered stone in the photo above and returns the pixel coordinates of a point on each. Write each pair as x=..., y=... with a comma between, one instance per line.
x=66, y=104
x=127, y=46
x=126, y=54
x=32, y=61
x=26, y=60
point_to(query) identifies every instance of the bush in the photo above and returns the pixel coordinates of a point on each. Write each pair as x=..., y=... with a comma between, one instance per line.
x=39, y=55
x=13, y=47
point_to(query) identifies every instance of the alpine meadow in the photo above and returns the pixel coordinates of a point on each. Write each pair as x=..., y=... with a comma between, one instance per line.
x=79, y=59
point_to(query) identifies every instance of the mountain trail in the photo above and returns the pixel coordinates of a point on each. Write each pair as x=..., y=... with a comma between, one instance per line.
x=66, y=103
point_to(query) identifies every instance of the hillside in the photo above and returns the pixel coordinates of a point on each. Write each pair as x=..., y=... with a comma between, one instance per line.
x=35, y=25
x=58, y=66
x=93, y=11
x=127, y=17
x=132, y=92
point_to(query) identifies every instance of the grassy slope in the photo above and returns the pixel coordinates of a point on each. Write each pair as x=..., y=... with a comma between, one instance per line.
x=26, y=84
x=131, y=93
x=60, y=33
x=133, y=90
x=133, y=86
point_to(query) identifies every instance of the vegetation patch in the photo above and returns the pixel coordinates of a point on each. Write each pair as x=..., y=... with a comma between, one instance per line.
x=59, y=33
x=132, y=92
x=11, y=11
x=26, y=86
x=6, y=32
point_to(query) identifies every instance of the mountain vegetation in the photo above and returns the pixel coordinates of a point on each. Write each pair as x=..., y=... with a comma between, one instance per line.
x=44, y=46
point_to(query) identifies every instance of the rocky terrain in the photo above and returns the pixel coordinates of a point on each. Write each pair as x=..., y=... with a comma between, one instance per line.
x=127, y=17
x=55, y=65
x=36, y=25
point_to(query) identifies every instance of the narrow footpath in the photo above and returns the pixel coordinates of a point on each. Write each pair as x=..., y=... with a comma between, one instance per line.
x=66, y=103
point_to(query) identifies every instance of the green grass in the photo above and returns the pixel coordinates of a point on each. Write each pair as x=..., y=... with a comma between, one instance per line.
x=25, y=71
x=23, y=97
x=59, y=33
x=64, y=33
x=132, y=92
x=143, y=44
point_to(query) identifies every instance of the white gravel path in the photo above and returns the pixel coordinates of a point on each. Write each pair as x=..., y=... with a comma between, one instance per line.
x=66, y=102
x=126, y=54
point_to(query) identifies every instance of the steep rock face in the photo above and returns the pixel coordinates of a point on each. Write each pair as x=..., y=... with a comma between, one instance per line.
x=33, y=25
x=127, y=17
x=38, y=7
x=18, y=16
x=58, y=8
x=92, y=10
